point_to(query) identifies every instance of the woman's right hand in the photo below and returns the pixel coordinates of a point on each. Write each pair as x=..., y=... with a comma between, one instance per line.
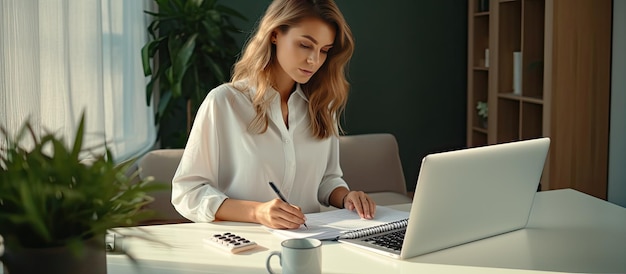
x=280, y=215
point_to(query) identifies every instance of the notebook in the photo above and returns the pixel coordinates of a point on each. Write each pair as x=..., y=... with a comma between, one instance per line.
x=463, y=196
x=330, y=225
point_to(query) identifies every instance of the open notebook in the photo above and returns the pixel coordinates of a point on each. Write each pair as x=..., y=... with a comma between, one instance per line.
x=463, y=196
x=335, y=224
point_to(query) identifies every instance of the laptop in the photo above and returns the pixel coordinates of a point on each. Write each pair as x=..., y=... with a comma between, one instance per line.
x=466, y=195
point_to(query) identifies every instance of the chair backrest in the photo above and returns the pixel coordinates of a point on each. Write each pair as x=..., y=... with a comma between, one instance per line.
x=371, y=163
x=162, y=164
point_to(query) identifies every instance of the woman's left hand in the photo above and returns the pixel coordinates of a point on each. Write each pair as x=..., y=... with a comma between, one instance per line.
x=361, y=202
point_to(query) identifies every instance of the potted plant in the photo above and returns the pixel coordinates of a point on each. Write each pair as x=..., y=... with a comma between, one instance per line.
x=56, y=208
x=483, y=112
x=192, y=52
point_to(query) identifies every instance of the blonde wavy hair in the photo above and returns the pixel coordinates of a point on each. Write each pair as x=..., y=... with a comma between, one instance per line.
x=327, y=90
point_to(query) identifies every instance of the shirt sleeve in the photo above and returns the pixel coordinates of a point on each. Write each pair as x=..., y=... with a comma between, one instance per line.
x=195, y=193
x=333, y=176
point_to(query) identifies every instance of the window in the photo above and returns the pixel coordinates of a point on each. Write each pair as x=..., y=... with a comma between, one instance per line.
x=61, y=58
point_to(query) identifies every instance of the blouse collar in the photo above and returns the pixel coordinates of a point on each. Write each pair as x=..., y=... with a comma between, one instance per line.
x=272, y=92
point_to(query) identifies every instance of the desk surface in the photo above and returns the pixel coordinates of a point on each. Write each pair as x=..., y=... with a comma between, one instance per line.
x=568, y=231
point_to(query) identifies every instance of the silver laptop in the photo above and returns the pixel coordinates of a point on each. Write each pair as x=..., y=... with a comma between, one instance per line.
x=466, y=195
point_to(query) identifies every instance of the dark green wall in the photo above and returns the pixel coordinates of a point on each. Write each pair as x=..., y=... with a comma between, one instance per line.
x=408, y=72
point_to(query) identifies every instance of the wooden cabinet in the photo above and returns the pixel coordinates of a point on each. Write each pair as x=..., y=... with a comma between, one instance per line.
x=547, y=74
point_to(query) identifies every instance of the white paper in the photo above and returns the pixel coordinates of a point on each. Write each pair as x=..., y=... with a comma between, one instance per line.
x=330, y=224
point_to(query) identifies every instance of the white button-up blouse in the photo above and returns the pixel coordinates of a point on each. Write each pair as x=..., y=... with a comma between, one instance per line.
x=223, y=159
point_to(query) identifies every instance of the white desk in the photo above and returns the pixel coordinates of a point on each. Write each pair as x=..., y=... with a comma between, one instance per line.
x=568, y=232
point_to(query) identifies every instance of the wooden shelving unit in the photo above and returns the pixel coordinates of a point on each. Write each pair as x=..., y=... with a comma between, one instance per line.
x=563, y=91
x=478, y=70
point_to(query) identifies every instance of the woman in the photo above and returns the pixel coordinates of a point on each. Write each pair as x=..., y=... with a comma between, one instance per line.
x=275, y=122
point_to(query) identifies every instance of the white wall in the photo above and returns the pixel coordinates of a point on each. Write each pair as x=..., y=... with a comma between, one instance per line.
x=617, y=141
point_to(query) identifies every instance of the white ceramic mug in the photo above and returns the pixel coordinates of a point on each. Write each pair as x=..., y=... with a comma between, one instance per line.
x=298, y=256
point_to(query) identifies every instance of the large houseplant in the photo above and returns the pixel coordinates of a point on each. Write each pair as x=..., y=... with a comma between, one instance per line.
x=192, y=52
x=55, y=207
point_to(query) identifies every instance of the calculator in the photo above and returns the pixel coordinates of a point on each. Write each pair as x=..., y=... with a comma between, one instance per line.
x=230, y=242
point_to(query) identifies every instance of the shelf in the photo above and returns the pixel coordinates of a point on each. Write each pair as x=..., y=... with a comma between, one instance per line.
x=527, y=99
x=556, y=55
x=480, y=129
x=533, y=100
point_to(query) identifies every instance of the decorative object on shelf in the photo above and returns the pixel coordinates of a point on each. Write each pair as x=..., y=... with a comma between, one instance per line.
x=193, y=52
x=486, y=58
x=517, y=73
x=56, y=205
x=483, y=112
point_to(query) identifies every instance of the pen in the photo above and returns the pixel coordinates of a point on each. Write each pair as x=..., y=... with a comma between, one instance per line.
x=281, y=196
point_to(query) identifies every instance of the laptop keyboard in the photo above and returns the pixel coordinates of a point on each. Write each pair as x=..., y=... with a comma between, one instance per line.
x=391, y=240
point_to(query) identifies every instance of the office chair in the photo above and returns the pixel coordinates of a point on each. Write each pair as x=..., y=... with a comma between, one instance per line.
x=162, y=164
x=371, y=163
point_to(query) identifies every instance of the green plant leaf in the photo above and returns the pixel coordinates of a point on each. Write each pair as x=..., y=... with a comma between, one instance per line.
x=164, y=5
x=32, y=214
x=150, y=90
x=156, y=78
x=145, y=57
x=78, y=139
x=214, y=15
x=175, y=88
x=154, y=26
x=50, y=197
x=192, y=30
x=193, y=4
x=212, y=29
x=182, y=57
x=164, y=101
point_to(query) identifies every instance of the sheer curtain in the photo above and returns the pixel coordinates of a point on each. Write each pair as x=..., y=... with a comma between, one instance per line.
x=60, y=58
